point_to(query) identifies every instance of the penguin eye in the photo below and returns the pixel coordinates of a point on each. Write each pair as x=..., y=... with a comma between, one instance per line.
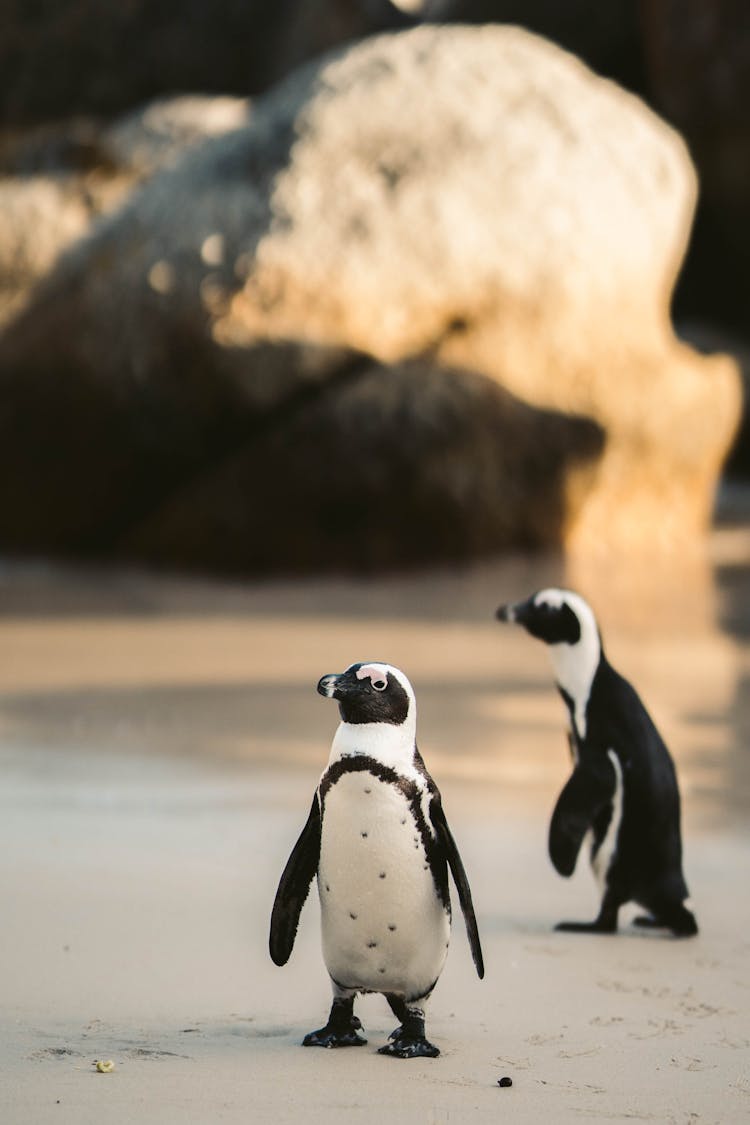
x=380, y=685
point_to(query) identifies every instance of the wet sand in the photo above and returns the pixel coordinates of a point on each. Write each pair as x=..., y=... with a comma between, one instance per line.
x=159, y=744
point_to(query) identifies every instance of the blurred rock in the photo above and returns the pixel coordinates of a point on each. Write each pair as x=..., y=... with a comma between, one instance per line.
x=690, y=60
x=153, y=136
x=387, y=467
x=473, y=197
x=39, y=219
x=55, y=181
x=708, y=338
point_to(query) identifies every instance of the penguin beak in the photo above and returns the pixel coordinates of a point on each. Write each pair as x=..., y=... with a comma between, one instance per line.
x=327, y=685
x=506, y=613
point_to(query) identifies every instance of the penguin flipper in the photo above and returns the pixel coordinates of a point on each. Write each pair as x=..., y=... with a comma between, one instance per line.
x=440, y=824
x=582, y=797
x=294, y=886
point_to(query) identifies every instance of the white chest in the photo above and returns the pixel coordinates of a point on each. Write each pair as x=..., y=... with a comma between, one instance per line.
x=384, y=927
x=606, y=852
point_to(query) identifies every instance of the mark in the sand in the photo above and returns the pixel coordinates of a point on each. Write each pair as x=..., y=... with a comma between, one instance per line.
x=573, y=1087
x=662, y=993
x=707, y=963
x=515, y=1064
x=686, y=1001
x=548, y=950
x=734, y=1044
x=578, y=1054
x=538, y=1040
x=54, y=1053
x=691, y=1064
x=658, y=1028
x=692, y=1007
x=260, y=1032
x=601, y=1114
x=605, y=1021
x=152, y=1053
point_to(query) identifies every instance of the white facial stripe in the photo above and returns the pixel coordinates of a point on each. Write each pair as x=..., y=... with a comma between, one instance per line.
x=376, y=673
x=552, y=597
x=575, y=665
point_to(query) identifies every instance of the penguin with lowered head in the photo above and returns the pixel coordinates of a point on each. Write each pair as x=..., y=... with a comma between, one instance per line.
x=379, y=843
x=623, y=791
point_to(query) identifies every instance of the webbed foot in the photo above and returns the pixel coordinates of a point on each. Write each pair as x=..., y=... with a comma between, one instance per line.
x=595, y=927
x=402, y=1045
x=329, y=1036
x=341, y=1029
x=680, y=921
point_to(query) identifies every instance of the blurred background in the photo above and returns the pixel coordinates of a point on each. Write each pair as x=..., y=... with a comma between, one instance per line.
x=326, y=326
x=341, y=285
x=349, y=320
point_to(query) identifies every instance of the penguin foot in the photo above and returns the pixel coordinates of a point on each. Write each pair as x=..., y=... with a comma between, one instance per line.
x=682, y=923
x=648, y=922
x=336, y=1035
x=685, y=925
x=595, y=927
x=402, y=1045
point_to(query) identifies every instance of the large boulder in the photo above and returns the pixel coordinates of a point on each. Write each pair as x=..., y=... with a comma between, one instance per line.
x=472, y=199
x=57, y=180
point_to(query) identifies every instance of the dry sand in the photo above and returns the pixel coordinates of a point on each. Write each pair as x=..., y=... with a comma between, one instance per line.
x=159, y=744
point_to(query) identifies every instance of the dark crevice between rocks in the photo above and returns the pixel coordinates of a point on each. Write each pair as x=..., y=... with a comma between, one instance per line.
x=380, y=467
x=246, y=428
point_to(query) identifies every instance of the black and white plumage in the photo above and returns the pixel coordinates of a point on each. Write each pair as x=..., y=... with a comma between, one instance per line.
x=623, y=790
x=378, y=840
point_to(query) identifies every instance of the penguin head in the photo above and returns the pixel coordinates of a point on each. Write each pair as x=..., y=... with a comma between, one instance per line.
x=553, y=616
x=371, y=693
x=566, y=623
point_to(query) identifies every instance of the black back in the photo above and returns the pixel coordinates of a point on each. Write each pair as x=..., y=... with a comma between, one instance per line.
x=649, y=850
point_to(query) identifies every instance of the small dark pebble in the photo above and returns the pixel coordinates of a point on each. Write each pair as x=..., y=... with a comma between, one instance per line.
x=505, y=1081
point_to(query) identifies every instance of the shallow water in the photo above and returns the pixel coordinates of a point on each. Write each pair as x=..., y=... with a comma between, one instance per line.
x=141, y=666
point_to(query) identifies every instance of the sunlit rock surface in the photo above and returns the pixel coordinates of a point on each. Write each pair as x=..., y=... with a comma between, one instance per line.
x=471, y=197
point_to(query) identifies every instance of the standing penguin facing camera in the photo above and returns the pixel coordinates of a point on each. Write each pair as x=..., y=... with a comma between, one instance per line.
x=623, y=789
x=378, y=840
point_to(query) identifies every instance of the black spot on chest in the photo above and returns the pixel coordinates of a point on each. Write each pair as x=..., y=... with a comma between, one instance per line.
x=412, y=793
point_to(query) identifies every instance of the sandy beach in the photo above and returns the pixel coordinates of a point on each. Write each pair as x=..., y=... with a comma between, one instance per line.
x=160, y=741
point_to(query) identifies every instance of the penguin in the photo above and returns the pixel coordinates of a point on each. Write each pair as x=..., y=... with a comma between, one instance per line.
x=623, y=791
x=380, y=845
